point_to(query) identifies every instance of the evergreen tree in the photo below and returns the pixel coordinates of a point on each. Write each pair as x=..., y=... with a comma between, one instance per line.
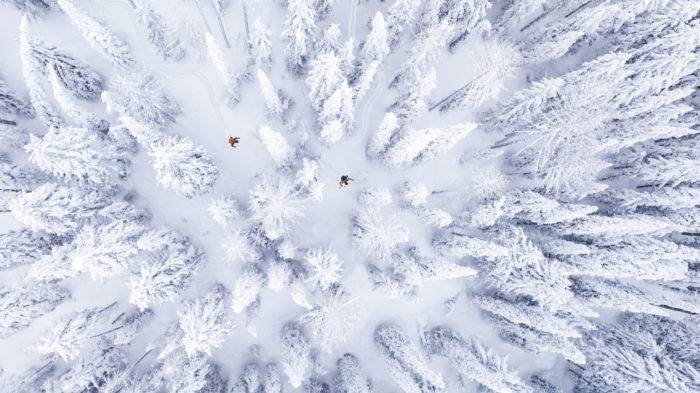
x=628, y=358
x=105, y=369
x=296, y=353
x=33, y=72
x=98, y=36
x=171, y=261
x=204, y=322
x=413, y=146
x=400, y=15
x=67, y=337
x=159, y=34
x=104, y=250
x=56, y=208
x=261, y=43
x=406, y=364
x=350, y=378
x=24, y=247
x=182, y=166
x=377, y=233
x=78, y=153
x=247, y=288
x=299, y=28
x=225, y=72
x=277, y=204
x=140, y=96
x=33, y=7
x=11, y=104
x=278, y=147
x=27, y=301
x=333, y=320
x=473, y=361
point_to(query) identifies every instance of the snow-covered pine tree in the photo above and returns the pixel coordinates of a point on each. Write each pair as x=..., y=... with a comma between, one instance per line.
x=139, y=95
x=59, y=209
x=105, y=368
x=412, y=146
x=24, y=247
x=377, y=232
x=12, y=104
x=497, y=61
x=299, y=28
x=326, y=268
x=296, y=353
x=33, y=73
x=78, y=153
x=374, y=49
x=247, y=287
x=171, y=261
x=639, y=353
x=98, y=36
x=276, y=144
x=261, y=43
x=182, y=166
x=15, y=179
x=33, y=8
x=405, y=362
x=224, y=210
x=68, y=103
x=473, y=361
x=333, y=320
x=277, y=204
x=204, y=321
x=250, y=380
x=350, y=378
x=77, y=77
x=104, y=250
x=400, y=15
x=224, y=70
x=183, y=374
x=272, y=382
x=27, y=301
x=67, y=337
x=159, y=34
x=273, y=104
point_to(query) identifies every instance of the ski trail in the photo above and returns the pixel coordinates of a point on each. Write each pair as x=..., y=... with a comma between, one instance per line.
x=353, y=19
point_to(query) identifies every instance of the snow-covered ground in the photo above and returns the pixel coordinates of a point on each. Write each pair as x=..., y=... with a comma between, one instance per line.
x=436, y=256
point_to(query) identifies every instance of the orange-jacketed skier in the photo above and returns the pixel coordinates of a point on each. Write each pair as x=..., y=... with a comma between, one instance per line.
x=233, y=140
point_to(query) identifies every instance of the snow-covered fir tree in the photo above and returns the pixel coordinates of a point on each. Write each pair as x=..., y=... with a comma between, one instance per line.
x=139, y=95
x=227, y=75
x=277, y=204
x=298, y=30
x=10, y=103
x=111, y=47
x=350, y=377
x=78, y=153
x=168, y=266
x=27, y=301
x=57, y=208
x=333, y=320
x=68, y=336
x=261, y=42
x=24, y=247
x=204, y=322
x=182, y=166
x=296, y=353
x=473, y=361
x=161, y=35
x=405, y=362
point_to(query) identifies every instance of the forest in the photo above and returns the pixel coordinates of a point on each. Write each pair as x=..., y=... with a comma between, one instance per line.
x=349, y=196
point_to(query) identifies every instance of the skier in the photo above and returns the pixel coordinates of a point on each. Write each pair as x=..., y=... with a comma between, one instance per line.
x=345, y=181
x=233, y=140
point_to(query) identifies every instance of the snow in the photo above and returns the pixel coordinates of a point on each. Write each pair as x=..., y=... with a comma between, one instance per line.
x=410, y=188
